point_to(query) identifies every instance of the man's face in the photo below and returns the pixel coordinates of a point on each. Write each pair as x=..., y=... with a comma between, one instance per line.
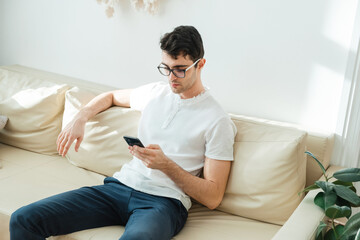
x=180, y=85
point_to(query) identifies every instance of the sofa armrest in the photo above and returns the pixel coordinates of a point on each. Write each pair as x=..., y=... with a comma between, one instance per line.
x=303, y=223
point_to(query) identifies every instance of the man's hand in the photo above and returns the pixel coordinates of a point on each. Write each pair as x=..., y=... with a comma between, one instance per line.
x=73, y=131
x=152, y=156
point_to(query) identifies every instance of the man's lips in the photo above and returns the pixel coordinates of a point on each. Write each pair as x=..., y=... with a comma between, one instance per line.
x=175, y=84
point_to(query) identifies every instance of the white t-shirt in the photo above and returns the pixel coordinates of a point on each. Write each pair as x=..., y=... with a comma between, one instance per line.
x=187, y=130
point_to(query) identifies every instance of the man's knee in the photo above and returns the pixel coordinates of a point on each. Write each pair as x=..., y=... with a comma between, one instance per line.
x=21, y=218
x=26, y=217
x=24, y=224
x=18, y=218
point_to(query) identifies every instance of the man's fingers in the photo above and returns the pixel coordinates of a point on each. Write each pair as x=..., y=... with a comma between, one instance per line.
x=139, y=154
x=140, y=149
x=78, y=142
x=62, y=141
x=59, y=140
x=153, y=146
x=65, y=144
x=144, y=152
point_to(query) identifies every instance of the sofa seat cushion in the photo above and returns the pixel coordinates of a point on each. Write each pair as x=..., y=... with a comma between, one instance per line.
x=27, y=177
x=202, y=224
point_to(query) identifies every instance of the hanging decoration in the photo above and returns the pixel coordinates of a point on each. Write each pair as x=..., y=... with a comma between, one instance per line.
x=149, y=6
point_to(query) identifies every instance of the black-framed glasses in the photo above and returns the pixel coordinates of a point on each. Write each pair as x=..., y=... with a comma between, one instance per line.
x=180, y=73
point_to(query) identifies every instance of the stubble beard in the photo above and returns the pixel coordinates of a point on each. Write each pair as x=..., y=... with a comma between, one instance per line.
x=181, y=88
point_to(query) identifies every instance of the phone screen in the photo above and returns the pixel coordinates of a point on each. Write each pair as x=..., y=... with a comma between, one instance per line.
x=133, y=141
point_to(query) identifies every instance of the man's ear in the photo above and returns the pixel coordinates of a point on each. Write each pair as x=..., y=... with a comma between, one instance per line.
x=201, y=63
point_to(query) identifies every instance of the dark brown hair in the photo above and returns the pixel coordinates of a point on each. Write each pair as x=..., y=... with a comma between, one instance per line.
x=184, y=40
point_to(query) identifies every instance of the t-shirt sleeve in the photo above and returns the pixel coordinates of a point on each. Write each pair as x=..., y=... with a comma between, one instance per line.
x=220, y=140
x=142, y=95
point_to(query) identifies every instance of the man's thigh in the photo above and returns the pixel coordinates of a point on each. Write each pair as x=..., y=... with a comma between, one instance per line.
x=154, y=217
x=84, y=208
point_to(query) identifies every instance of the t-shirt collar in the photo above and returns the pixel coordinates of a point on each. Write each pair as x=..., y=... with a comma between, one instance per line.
x=198, y=98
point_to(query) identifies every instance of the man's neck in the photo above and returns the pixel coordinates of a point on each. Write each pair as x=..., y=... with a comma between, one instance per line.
x=193, y=92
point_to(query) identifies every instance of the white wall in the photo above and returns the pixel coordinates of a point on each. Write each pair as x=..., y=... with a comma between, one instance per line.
x=282, y=60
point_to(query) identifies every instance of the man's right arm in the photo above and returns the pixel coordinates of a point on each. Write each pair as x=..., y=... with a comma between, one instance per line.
x=76, y=128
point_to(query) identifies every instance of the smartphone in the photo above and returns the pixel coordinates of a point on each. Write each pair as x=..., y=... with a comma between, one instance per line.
x=133, y=141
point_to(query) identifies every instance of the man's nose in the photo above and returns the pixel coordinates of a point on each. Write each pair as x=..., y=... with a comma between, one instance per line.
x=172, y=76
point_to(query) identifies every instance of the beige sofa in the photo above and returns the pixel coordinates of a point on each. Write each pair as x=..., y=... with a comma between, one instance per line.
x=261, y=200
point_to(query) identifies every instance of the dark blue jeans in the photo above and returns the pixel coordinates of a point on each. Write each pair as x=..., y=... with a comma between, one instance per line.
x=145, y=216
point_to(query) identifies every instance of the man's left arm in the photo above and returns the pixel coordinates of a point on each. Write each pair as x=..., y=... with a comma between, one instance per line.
x=208, y=190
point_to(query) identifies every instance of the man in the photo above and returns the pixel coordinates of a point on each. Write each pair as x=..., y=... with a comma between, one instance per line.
x=185, y=132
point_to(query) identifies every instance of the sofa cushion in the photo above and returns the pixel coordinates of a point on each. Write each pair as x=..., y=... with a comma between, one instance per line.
x=268, y=171
x=103, y=149
x=28, y=176
x=34, y=108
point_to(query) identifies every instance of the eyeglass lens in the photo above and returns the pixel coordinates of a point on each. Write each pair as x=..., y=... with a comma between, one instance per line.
x=180, y=73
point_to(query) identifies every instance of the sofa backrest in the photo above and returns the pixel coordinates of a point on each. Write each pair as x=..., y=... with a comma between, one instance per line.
x=320, y=144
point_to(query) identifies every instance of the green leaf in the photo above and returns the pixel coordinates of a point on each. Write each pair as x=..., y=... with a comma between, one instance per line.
x=357, y=237
x=338, y=212
x=351, y=227
x=342, y=183
x=320, y=237
x=321, y=166
x=325, y=186
x=348, y=175
x=325, y=199
x=319, y=200
x=320, y=230
x=347, y=194
x=331, y=235
x=346, y=184
x=309, y=188
x=339, y=229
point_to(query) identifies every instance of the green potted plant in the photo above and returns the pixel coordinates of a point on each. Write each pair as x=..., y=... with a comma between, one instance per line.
x=337, y=199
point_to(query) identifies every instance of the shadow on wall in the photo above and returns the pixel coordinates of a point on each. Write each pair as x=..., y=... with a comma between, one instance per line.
x=290, y=60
